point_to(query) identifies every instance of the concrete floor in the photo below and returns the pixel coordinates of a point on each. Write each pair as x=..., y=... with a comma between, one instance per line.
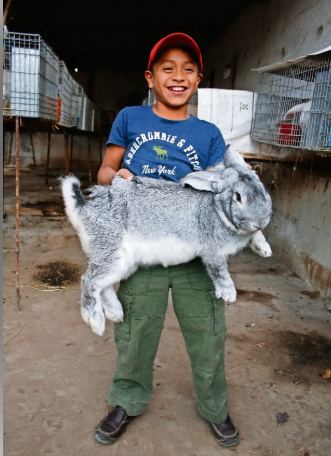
x=57, y=373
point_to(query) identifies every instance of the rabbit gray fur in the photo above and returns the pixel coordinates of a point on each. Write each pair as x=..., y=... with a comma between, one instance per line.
x=147, y=221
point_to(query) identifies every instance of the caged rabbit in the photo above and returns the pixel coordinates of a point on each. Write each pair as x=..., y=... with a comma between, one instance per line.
x=147, y=221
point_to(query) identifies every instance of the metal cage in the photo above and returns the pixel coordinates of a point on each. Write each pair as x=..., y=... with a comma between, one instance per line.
x=64, y=102
x=76, y=103
x=88, y=112
x=293, y=106
x=30, y=77
x=192, y=106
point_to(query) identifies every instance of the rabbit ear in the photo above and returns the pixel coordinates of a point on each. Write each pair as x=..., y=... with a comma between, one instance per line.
x=232, y=157
x=211, y=181
x=201, y=180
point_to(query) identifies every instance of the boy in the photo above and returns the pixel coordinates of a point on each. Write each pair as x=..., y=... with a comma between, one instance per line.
x=164, y=142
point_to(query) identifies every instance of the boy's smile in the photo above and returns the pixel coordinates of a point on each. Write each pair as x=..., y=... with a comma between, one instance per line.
x=177, y=89
x=175, y=79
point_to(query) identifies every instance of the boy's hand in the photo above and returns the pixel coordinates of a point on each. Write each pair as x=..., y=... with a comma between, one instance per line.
x=125, y=173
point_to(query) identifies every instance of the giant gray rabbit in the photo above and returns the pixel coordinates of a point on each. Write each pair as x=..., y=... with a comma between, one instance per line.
x=143, y=222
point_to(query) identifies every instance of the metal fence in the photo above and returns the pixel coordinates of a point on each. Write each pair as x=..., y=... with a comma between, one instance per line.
x=294, y=106
x=30, y=77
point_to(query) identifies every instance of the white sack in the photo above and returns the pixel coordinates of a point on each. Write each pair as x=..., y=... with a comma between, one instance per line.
x=232, y=112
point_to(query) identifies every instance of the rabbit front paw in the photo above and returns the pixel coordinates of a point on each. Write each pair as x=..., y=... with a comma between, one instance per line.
x=113, y=310
x=229, y=294
x=259, y=245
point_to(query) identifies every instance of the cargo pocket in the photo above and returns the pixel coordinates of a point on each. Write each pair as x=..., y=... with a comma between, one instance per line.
x=219, y=312
x=122, y=329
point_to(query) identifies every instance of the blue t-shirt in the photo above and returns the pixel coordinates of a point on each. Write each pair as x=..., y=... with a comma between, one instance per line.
x=162, y=148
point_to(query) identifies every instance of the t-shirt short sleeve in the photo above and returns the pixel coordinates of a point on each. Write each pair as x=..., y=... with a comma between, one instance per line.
x=118, y=132
x=217, y=148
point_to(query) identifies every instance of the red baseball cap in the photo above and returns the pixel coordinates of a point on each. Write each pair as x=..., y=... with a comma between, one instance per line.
x=174, y=39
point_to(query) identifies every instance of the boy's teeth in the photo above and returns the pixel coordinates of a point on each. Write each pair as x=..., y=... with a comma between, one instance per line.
x=177, y=89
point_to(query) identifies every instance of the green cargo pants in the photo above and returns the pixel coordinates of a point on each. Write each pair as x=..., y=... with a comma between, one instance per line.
x=201, y=316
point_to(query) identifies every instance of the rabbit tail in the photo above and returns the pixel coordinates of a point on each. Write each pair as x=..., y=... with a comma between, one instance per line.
x=74, y=202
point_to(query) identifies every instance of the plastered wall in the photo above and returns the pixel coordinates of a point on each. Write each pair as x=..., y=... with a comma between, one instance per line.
x=300, y=229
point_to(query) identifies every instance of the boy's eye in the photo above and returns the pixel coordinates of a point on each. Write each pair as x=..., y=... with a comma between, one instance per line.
x=167, y=68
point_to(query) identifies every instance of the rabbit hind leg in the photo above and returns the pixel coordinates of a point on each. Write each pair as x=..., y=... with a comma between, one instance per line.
x=110, y=303
x=91, y=306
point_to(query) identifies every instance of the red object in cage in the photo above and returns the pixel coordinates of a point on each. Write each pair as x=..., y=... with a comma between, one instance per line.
x=58, y=111
x=289, y=134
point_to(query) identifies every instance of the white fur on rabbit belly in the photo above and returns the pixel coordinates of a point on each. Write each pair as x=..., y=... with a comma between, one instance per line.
x=167, y=250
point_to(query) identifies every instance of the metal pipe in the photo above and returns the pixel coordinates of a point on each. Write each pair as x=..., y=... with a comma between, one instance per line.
x=48, y=154
x=17, y=209
x=89, y=160
x=66, y=153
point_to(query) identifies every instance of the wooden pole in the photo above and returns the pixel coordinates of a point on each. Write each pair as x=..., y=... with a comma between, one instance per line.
x=48, y=154
x=17, y=210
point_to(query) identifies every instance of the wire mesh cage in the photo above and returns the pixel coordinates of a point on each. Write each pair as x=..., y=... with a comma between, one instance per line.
x=90, y=115
x=76, y=104
x=293, y=106
x=97, y=118
x=87, y=118
x=30, y=77
x=64, y=101
x=191, y=109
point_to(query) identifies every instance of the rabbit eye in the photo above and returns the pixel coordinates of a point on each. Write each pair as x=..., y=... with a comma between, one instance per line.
x=238, y=197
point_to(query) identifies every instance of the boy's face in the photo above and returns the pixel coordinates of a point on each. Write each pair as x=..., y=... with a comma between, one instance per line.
x=175, y=78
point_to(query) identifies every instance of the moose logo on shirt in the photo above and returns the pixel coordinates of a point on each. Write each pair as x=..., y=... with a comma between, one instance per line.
x=160, y=152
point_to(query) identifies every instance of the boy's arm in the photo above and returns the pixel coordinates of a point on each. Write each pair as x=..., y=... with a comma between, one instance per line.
x=111, y=165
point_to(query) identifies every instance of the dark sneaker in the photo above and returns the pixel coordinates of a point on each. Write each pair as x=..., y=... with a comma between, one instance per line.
x=112, y=426
x=226, y=433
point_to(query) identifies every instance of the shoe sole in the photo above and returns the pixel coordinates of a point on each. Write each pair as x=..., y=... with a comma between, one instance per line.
x=100, y=437
x=227, y=443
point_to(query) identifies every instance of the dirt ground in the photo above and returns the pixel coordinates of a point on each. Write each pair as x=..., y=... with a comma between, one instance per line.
x=57, y=373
